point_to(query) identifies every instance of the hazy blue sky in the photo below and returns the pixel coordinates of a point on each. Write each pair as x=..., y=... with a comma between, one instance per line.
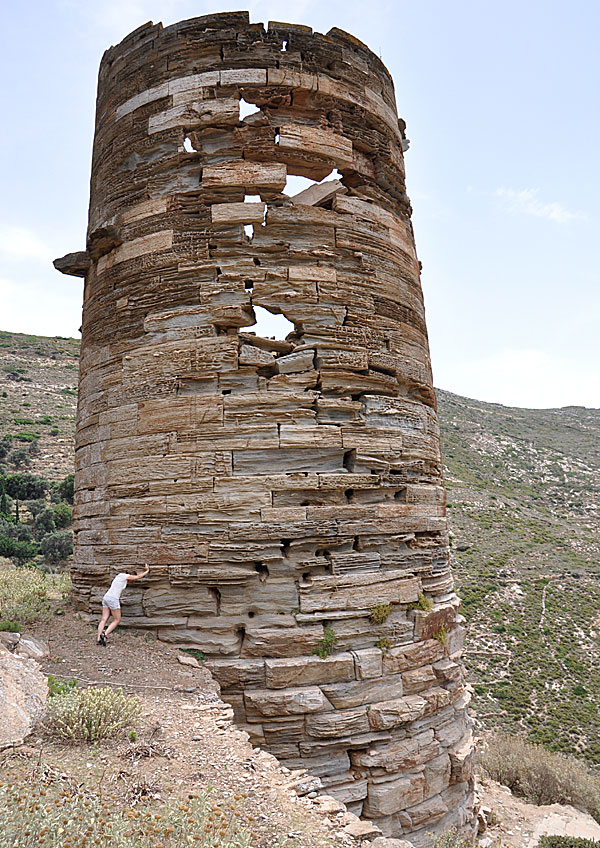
x=501, y=103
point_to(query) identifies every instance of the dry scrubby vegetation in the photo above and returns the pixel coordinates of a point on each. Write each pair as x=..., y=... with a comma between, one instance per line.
x=566, y=842
x=541, y=776
x=27, y=595
x=454, y=839
x=44, y=811
x=523, y=493
x=86, y=715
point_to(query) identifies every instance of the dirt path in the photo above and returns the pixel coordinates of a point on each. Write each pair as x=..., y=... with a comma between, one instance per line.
x=188, y=728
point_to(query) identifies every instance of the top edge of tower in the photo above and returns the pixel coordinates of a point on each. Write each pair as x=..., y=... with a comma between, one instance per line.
x=146, y=35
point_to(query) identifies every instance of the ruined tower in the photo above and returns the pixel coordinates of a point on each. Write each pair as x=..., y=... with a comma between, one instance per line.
x=288, y=494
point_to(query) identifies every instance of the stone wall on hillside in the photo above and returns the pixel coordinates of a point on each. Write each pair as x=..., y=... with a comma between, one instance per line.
x=287, y=493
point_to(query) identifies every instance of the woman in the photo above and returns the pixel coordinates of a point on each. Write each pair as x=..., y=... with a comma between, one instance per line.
x=111, y=603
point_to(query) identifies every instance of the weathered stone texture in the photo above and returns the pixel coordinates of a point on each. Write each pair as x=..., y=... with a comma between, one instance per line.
x=279, y=489
x=23, y=693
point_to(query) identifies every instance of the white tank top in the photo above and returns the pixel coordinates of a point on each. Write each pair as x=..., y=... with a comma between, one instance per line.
x=117, y=586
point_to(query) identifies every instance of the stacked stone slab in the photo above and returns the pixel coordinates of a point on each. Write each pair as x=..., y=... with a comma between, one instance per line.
x=288, y=494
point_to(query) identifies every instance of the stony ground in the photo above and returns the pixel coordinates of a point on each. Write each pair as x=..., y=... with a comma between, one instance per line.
x=187, y=729
x=517, y=824
x=186, y=743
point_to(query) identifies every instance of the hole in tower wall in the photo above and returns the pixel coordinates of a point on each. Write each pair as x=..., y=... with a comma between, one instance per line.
x=270, y=326
x=249, y=231
x=247, y=109
x=217, y=596
x=349, y=459
x=295, y=185
x=284, y=47
x=262, y=571
x=188, y=146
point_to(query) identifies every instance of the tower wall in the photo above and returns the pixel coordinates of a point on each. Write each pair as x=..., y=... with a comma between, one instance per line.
x=287, y=494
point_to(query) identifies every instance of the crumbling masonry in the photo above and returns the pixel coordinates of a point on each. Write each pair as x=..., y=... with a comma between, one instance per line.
x=288, y=495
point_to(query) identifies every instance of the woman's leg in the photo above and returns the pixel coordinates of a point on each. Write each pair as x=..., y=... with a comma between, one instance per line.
x=116, y=614
x=103, y=620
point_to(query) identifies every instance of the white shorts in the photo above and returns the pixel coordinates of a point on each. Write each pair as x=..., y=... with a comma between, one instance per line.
x=111, y=603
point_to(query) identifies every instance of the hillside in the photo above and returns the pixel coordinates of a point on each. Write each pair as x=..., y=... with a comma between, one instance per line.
x=38, y=401
x=523, y=505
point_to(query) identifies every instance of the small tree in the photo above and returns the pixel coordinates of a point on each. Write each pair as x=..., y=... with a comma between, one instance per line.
x=4, y=500
x=66, y=488
x=63, y=515
x=18, y=551
x=44, y=523
x=19, y=458
x=19, y=532
x=25, y=487
x=36, y=506
x=5, y=446
x=57, y=546
x=4, y=503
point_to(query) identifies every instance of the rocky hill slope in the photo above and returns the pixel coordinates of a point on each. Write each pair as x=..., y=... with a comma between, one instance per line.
x=524, y=510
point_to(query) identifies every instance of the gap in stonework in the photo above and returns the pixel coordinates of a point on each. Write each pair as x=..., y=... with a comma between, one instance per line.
x=247, y=109
x=294, y=184
x=270, y=326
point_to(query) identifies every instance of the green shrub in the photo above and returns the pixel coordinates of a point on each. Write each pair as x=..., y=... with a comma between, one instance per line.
x=455, y=839
x=44, y=523
x=19, y=457
x=36, y=506
x=423, y=603
x=59, y=687
x=21, y=551
x=380, y=613
x=194, y=652
x=441, y=634
x=384, y=645
x=566, y=842
x=10, y=626
x=57, y=547
x=86, y=715
x=66, y=488
x=326, y=644
x=540, y=775
x=26, y=436
x=63, y=515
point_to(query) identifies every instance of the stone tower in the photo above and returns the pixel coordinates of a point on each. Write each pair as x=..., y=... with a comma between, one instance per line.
x=288, y=494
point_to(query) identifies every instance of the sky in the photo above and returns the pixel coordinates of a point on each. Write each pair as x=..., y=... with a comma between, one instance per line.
x=501, y=105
